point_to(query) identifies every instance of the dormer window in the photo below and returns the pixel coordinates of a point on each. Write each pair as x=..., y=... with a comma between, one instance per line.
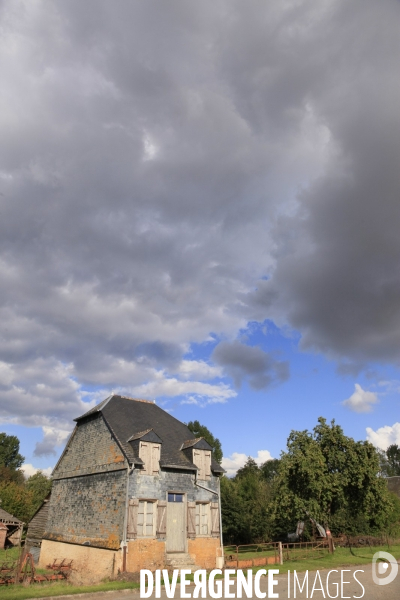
x=202, y=460
x=146, y=448
x=198, y=450
x=150, y=455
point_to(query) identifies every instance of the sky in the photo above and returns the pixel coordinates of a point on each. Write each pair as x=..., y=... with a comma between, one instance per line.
x=200, y=205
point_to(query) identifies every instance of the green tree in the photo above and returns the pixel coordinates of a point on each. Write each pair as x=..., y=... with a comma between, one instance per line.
x=234, y=526
x=245, y=500
x=201, y=431
x=39, y=485
x=393, y=459
x=7, y=474
x=249, y=468
x=17, y=500
x=269, y=469
x=9, y=452
x=334, y=478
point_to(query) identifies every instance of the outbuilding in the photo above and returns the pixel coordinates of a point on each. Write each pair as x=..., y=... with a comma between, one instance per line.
x=10, y=530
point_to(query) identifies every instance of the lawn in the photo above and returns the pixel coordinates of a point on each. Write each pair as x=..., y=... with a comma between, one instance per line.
x=342, y=557
x=10, y=555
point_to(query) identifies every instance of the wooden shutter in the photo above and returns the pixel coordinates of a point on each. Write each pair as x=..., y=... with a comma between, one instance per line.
x=207, y=465
x=215, y=518
x=161, y=518
x=198, y=461
x=132, y=517
x=191, y=520
x=145, y=455
x=155, y=459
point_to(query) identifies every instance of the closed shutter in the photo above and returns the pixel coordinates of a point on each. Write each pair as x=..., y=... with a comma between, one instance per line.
x=145, y=455
x=215, y=518
x=161, y=518
x=191, y=520
x=132, y=517
x=199, y=462
x=207, y=465
x=155, y=459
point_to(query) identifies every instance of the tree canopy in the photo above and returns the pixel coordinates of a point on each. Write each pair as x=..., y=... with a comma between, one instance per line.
x=201, y=431
x=334, y=478
x=19, y=496
x=9, y=452
x=323, y=474
x=390, y=461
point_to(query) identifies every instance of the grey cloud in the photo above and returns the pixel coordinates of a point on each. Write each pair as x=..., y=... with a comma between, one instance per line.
x=45, y=448
x=336, y=271
x=245, y=362
x=275, y=154
x=160, y=354
x=52, y=439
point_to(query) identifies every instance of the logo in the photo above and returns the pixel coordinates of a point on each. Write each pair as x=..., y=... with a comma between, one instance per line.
x=381, y=561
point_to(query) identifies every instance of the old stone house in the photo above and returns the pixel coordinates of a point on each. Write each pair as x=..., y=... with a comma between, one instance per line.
x=133, y=489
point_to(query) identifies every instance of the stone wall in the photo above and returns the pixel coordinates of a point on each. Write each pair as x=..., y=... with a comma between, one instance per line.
x=88, y=509
x=150, y=553
x=91, y=449
x=157, y=486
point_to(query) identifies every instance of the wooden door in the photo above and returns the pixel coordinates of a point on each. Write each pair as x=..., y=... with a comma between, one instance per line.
x=176, y=529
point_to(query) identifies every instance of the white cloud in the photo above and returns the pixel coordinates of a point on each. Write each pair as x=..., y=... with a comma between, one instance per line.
x=361, y=401
x=30, y=470
x=384, y=436
x=196, y=390
x=237, y=460
x=198, y=369
x=40, y=392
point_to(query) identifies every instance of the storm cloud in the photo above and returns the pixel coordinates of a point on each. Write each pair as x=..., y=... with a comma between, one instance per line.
x=172, y=170
x=245, y=362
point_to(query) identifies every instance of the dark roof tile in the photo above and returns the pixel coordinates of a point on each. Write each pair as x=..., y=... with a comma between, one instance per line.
x=126, y=416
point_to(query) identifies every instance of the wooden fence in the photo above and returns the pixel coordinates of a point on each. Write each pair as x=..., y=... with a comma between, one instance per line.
x=307, y=550
x=253, y=555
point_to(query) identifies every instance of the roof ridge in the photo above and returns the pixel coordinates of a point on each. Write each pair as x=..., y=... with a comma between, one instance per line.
x=135, y=399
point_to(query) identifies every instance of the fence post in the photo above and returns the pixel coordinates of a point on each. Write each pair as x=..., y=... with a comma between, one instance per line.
x=330, y=544
x=280, y=553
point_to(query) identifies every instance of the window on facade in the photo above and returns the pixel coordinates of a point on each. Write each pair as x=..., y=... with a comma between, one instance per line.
x=202, y=519
x=175, y=497
x=150, y=455
x=146, y=518
x=202, y=460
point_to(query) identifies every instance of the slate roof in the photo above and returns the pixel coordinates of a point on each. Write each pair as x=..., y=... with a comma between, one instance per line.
x=127, y=416
x=37, y=524
x=5, y=517
x=198, y=442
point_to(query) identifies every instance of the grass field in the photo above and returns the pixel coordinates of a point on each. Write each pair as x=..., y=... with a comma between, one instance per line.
x=342, y=558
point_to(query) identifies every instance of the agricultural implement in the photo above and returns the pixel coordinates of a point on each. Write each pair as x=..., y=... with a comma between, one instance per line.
x=23, y=571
